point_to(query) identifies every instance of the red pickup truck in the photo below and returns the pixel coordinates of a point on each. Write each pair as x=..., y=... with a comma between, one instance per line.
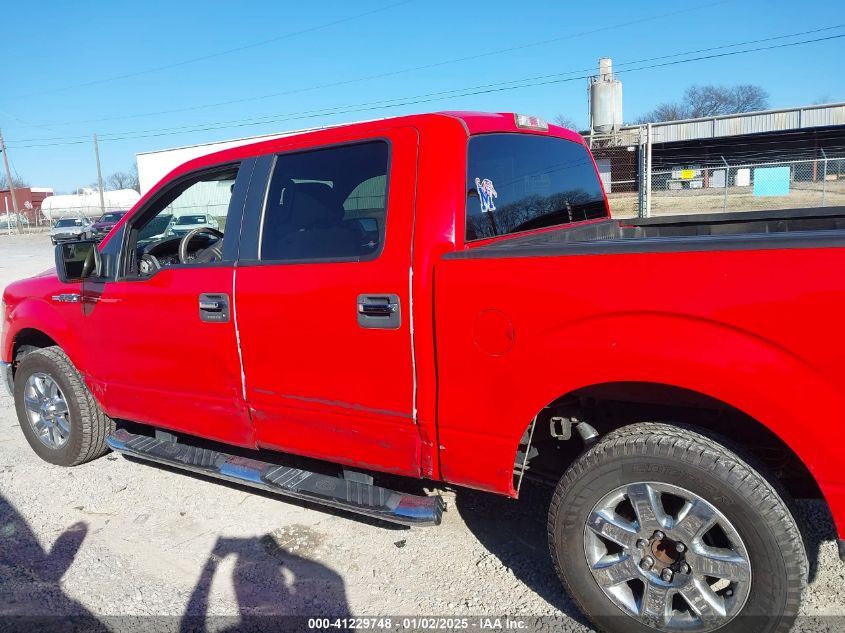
x=446, y=297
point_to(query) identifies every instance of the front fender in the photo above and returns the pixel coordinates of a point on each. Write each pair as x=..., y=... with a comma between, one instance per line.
x=30, y=306
x=40, y=315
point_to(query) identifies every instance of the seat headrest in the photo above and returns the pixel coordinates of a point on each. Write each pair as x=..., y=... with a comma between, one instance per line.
x=314, y=204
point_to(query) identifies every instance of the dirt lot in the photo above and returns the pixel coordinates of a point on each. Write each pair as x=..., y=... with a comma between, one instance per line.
x=115, y=538
x=666, y=202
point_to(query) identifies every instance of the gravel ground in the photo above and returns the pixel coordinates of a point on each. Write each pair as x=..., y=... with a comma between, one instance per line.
x=116, y=538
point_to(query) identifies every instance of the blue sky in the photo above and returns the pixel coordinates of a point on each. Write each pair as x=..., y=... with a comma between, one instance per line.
x=76, y=70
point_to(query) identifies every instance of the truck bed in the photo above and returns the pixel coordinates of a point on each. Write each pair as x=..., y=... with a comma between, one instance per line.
x=790, y=228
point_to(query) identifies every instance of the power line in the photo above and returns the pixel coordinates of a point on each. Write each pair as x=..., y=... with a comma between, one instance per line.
x=258, y=120
x=385, y=102
x=393, y=73
x=388, y=102
x=423, y=98
x=222, y=53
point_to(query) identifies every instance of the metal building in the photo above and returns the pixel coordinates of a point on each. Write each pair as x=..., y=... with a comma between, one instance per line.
x=804, y=132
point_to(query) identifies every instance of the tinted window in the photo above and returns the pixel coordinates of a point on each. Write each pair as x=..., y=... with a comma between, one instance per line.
x=326, y=204
x=111, y=217
x=521, y=182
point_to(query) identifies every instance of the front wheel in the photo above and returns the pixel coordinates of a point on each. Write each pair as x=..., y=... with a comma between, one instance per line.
x=58, y=415
x=661, y=528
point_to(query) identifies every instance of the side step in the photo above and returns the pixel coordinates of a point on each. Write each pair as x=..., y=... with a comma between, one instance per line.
x=354, y=496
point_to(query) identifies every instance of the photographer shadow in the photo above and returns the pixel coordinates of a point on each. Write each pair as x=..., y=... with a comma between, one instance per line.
x=31, y=596
x=275, y=589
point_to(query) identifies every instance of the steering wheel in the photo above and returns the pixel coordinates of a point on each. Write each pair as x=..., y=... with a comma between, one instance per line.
x=210, y=254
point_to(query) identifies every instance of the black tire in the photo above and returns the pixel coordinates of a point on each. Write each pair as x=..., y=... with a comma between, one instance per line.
x=89, y=425
x=669, y=454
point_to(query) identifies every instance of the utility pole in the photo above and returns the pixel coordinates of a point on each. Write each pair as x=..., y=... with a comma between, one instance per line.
x=11, y=184
x=99, y=176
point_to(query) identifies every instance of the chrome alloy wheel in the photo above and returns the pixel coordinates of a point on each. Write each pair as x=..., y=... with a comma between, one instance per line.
x=667, y=557
x=47, y=410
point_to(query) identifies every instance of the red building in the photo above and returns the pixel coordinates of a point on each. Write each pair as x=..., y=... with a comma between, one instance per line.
x=29, y=201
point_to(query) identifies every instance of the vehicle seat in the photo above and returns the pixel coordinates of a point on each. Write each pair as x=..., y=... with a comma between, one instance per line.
x=315, y=227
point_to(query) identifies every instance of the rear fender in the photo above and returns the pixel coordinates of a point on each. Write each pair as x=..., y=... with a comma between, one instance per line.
x=754, y=375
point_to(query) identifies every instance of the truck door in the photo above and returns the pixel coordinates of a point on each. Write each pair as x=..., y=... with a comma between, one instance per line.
x=323, y=306
x=162, y=346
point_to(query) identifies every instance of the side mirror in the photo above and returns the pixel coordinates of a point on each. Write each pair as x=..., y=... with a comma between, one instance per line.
x=76, y=261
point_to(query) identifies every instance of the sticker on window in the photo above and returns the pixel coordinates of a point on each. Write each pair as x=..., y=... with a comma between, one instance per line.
x=486, y=193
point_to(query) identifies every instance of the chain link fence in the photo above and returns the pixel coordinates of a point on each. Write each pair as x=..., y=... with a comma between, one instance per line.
x=781, y=179
x=31, y=220
x=749, y=186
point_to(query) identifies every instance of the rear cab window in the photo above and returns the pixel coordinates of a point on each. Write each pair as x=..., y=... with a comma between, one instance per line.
x=524, y=182
x=327, y=204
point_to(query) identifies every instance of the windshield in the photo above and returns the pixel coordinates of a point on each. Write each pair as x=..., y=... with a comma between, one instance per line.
x=190, y=219
x=69, y=222
x=522, y=182
x=110, y=217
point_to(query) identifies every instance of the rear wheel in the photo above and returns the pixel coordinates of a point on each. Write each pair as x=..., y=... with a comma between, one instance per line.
x=658, y=527
x=59, y=417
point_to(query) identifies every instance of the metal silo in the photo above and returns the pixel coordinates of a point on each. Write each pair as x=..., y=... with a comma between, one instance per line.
x=605, y=99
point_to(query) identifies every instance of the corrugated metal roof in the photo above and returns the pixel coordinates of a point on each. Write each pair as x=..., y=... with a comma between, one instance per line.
x=745, y=123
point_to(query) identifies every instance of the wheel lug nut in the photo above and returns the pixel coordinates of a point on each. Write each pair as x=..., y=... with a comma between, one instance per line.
x=647, y=563
x=659, y=535
x=680, y=547
x=667, y=575
x=641, y=542
x=685, y=569
x=729, y=593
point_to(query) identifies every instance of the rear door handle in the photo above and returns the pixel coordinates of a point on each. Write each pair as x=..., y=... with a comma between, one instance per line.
x=214, y=308
x=378, y=309
x=383, y=312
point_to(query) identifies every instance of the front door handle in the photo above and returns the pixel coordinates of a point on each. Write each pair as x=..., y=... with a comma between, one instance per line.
x=67, y=297
x=381, y=312
x=214, y=308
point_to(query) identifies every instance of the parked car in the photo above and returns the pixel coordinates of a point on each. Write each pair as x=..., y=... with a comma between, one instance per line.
x=105, y=223
x=10, y=220
x=446, y=297
x=182, y=224
x=66, y=229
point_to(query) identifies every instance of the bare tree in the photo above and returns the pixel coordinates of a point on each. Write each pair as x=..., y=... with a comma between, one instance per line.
x=748, y=98
x=664, y=112
x=119, y=180
x=19, y=182
x=565, y=121
x=124, y=179
x=704, y=101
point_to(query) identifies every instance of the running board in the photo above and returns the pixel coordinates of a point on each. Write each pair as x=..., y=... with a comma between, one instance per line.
x=354, y=496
